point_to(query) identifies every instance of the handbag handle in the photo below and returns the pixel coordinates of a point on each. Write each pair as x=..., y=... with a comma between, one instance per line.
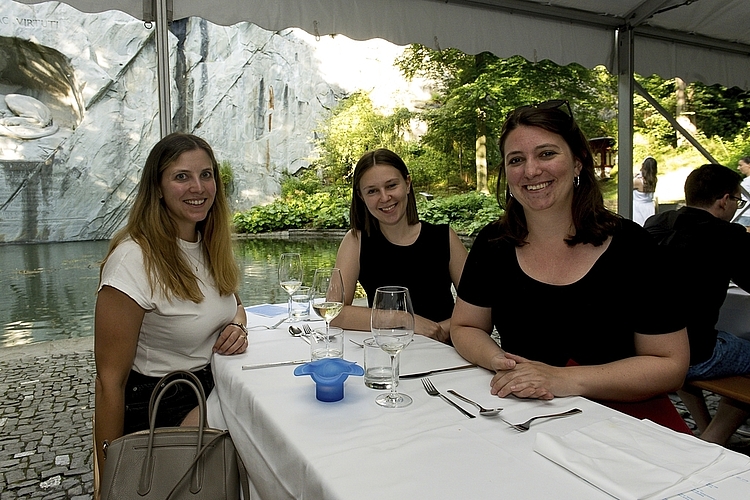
x=144, y=485
x=194, y=463
x=158, y=388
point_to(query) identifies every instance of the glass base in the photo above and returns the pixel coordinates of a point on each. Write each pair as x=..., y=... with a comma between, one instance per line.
x=393, y=400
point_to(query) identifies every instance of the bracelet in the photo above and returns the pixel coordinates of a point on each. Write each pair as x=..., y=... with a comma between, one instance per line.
x=241, y=327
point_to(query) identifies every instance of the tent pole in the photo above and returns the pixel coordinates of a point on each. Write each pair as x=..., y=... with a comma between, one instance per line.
x=663, y=112
x=162, y=63
x=625, y=86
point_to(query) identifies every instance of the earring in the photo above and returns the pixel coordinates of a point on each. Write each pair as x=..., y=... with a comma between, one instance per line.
x=511, y=194
x=576, y=181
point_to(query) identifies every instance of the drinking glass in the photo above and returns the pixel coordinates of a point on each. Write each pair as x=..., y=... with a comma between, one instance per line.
x=327, y=294
x=290, y=276
x=392, y=325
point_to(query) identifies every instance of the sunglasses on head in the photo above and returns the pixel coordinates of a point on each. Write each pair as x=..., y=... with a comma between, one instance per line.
x=551, y=104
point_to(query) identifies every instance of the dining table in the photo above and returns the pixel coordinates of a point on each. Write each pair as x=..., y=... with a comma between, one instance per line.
x=297, y=447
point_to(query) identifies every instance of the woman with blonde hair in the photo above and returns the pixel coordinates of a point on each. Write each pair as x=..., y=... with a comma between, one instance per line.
x=167, y=295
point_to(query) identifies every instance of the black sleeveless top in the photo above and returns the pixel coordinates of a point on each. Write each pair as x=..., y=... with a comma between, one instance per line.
x=422, y=267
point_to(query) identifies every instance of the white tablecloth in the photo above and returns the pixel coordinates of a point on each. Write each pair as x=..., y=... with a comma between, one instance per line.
x=297, y=447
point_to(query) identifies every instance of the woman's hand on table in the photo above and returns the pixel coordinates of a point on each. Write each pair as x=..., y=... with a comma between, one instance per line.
x=423, y=326
x=232, y=340
x=523, y=378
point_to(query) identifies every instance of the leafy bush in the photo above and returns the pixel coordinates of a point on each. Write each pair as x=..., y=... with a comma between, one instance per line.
x=466, y=213
x=327, y=209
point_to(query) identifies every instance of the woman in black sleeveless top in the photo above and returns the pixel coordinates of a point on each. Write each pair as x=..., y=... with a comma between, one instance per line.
x=388, y=245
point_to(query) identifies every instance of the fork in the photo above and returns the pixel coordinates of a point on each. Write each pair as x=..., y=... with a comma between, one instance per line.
x=427, y=383
x=267, y=327
x=524, y=426
x=307, y=329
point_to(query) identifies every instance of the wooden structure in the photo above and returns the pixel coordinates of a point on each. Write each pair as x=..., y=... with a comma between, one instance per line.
x=604, y=154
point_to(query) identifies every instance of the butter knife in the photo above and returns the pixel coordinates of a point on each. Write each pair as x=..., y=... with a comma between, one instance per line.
x=276, y=363
x=431, y=372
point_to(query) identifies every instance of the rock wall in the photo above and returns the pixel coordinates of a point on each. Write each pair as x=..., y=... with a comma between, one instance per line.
x=255, y=95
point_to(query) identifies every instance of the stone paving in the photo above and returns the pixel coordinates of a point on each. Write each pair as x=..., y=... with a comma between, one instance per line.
x=45, y=420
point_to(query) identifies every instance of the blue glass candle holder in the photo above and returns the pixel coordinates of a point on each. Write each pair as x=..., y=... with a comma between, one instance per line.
x=329, y=375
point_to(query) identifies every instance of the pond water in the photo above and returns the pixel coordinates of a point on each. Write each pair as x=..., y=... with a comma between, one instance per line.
x=48, y=291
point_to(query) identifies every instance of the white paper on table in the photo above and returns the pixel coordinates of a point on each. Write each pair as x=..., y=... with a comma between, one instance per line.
x=632, y=459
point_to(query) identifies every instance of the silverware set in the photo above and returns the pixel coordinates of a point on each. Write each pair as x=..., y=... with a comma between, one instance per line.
x=429, y=387
x=305, y=332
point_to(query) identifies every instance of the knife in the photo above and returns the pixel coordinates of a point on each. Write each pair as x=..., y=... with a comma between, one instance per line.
x=276, y=363
x=430, y=372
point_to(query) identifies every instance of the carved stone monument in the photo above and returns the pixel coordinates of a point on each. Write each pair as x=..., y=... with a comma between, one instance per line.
x=79, y=108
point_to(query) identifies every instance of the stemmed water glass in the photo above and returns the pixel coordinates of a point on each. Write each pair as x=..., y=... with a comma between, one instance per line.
x=327, y=294
x=392, y=325
x=290, y=276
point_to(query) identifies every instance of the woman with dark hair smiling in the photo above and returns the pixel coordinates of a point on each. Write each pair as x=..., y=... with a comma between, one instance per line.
x=389, y=245
x=539, y=275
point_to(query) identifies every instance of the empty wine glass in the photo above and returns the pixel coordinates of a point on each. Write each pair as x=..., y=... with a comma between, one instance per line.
x=327, y=294
x=290, y=276
x=392, y=325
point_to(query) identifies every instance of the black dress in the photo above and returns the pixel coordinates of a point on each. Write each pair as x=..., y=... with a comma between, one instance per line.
x=422, y=267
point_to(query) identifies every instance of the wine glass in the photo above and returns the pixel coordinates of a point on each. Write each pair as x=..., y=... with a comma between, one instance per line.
x=392, y=325
x=327, y=295
x=290, y=276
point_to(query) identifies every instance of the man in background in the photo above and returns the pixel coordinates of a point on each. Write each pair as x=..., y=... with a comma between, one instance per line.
x=705, y=248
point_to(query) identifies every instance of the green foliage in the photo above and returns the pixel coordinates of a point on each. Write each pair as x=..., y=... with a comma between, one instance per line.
x=327, y=209
x=466, y=213
x=226, y=175
x=476, y=92
x=353, y=128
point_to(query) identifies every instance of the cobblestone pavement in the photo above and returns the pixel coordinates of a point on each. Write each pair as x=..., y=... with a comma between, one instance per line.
x=45, y=420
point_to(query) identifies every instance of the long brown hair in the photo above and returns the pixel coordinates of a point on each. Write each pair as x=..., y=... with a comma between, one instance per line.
x=359, y=216
x=648, y=171
x=151, y=227
x=592, y=221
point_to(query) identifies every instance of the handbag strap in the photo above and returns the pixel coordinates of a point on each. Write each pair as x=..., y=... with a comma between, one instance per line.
x=244, y=483
x=144, y=485
x=185, y=374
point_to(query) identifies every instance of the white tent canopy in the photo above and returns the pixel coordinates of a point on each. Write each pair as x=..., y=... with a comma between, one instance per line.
x=704, y=40
x=696, y=40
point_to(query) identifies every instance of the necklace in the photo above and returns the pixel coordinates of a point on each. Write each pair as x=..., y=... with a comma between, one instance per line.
x=195, y=262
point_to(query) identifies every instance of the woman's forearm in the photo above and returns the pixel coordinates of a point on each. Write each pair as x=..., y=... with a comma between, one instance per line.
x=109, y=413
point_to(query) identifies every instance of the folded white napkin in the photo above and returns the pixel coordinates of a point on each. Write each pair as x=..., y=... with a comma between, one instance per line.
x=632, y=459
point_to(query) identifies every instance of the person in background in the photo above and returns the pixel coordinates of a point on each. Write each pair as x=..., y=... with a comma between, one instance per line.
x=644, y=187
x=167, y=293
x=744, y=167
x=550, y=274
x=388, y=245
x=701, y=242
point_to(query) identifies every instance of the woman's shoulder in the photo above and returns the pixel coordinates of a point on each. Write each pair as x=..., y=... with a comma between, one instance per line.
x=127, y=249
x=632, y=234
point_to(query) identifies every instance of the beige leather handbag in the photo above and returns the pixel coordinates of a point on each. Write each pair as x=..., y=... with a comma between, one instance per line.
x=196, y=463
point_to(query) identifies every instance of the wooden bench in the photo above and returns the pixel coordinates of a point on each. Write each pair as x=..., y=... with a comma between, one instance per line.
x=736, y=387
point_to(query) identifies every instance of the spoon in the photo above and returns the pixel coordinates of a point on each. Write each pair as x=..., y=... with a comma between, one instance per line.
x=294, y=331
x=485, y=412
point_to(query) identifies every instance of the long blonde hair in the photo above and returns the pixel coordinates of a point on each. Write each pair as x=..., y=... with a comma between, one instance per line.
x=151, y=227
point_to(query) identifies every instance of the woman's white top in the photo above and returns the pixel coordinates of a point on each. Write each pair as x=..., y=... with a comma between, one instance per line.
x=643, y=206
x=176, y=334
